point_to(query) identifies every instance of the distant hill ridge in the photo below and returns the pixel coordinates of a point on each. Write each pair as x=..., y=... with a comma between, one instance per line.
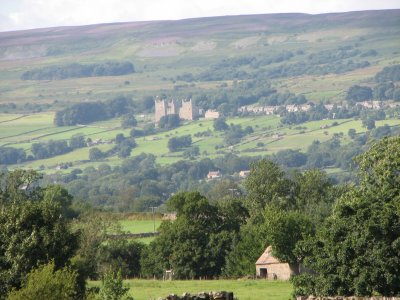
x=205, y=26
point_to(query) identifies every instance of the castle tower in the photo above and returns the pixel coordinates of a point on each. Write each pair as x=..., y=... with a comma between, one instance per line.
x=165, y=107
x=188, y=110
x=172, y=107
x=160, y=109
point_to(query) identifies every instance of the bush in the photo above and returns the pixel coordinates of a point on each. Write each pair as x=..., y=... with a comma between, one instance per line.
x=359, y=93
x=177, y=143
x=47, y=283
x=112, y=287
x=391, y=73
x=9, y=155
x=96, y=154
x=169, y=121
x=123, y=255
x=220, y=124
x=128, y=121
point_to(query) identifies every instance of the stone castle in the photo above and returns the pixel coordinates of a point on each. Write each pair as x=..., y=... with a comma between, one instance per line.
x=184, y=108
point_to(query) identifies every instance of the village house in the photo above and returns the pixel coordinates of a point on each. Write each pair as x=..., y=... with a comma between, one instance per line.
x=211, y=114
x=291, y=108
x=305, y=107
x=277, y=136
x=244, y=173
x=371, y=104
x=393, y=105
x=270, y=110
x=61, y=167
x=213, y=175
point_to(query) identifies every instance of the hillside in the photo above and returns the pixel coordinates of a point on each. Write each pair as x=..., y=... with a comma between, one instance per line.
x=222, y=63
x=164, y=52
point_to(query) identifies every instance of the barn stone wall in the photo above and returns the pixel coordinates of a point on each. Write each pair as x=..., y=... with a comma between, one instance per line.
x=281, y=271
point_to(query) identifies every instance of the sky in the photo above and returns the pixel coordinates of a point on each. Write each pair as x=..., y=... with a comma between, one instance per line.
x=27, y=14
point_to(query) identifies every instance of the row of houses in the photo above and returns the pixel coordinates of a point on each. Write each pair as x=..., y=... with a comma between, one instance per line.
x=270, y=110
x=217, y=174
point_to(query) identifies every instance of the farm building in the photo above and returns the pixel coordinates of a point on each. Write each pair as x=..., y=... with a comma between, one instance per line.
x=269, y=267
x=211, y=114
x=213, y=175
x=244, y=173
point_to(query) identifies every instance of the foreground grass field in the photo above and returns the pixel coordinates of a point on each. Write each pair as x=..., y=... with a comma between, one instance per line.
x=242, y=289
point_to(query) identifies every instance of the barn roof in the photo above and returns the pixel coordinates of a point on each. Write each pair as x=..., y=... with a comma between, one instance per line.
x=267, y=257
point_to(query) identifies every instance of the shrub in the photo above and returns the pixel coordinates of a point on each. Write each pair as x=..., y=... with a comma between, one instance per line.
x=47, y=283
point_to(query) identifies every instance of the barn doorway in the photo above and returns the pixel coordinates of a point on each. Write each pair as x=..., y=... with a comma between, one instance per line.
x=263, y=273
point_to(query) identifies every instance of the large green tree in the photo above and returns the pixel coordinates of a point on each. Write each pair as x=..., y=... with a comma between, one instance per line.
x=268, y=184
x=357, y=251
x=197, y=242
x=34, y=228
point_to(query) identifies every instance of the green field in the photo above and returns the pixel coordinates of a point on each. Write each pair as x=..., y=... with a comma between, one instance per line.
x=21, y=131
x=139, y=226
x=242, y=289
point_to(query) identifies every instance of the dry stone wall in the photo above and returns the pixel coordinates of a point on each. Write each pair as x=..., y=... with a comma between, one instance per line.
x=202, y=296
x=346, y=298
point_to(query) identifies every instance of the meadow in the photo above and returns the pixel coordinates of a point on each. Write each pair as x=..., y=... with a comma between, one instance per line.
x=243, y=289
x=139, y=226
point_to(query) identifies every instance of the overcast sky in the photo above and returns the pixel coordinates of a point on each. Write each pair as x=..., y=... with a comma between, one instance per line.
x=25, y=14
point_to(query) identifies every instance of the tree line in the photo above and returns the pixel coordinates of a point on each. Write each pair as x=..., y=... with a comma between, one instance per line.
x=10, y=155
x=77, y=70
x=340, y=60
x=384, y=89
x=84, y=113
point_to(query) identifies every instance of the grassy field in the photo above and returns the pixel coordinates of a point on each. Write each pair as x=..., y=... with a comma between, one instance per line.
x=242, y=289
x=139, y=226
x=21, y=131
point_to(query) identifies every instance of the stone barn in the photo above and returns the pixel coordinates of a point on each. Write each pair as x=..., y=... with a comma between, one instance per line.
x=269, y=267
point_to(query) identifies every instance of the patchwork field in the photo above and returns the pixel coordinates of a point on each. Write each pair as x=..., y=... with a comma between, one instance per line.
x=21, y=131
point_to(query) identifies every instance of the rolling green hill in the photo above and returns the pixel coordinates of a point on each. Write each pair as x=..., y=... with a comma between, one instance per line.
x=163, y=50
